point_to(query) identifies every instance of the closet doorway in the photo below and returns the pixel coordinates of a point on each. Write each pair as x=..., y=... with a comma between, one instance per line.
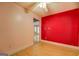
x=36, y=30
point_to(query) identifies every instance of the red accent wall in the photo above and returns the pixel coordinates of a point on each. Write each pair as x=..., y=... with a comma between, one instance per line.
x=61, y=27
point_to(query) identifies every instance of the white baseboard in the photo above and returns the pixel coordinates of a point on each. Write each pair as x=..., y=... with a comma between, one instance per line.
x=18, y=49
x=60, y=44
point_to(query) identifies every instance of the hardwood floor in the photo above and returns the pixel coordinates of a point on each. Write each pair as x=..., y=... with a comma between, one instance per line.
x=46, y=49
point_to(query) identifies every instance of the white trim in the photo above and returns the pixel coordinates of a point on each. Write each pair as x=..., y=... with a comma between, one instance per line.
x=64, y=45
x=18, y=49
x=39, y=1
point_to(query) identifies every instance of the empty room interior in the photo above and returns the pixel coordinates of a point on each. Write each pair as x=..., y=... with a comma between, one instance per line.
x=39, y=28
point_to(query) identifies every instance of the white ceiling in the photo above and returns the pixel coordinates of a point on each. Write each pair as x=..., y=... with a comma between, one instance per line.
x=52, y=8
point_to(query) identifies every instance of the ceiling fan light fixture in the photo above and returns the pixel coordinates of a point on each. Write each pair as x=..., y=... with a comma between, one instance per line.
x=43, y=5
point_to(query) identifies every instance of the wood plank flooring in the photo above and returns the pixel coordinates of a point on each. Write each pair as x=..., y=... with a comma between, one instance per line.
x=46, y=49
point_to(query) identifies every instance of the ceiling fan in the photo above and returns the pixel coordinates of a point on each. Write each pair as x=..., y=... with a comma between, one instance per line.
x=44, y=6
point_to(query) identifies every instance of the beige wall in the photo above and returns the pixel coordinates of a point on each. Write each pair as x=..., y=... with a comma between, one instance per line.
x=16, y=28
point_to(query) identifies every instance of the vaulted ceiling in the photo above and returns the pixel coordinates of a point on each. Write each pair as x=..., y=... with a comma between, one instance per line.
x=50, y=8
